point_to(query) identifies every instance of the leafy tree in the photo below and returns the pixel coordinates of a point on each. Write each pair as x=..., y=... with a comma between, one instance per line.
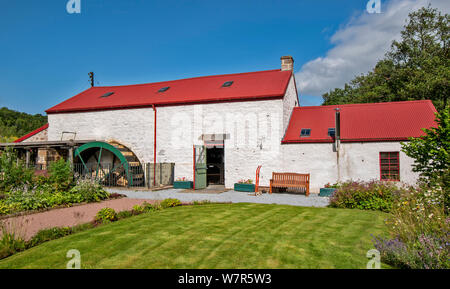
x=13, y=173
x=14, y=124
x=60, y=174
x=431, y=152
x=7, y=139
x=416, y=67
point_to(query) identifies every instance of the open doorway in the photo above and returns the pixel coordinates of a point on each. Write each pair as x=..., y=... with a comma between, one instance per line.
x=215, y=164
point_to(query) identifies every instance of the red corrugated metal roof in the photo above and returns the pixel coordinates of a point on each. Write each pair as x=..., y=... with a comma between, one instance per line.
x=389, y=121
x=44, y=127
x=246, y=86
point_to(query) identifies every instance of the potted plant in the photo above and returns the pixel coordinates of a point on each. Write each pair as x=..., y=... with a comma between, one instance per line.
x=328, y=190
x=244, y=186
x=182, y=183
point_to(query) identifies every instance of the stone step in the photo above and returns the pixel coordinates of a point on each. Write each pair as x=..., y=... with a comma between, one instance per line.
x=116, y=145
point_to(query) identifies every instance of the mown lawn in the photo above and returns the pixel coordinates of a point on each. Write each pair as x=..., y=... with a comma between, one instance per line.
x=219, y=236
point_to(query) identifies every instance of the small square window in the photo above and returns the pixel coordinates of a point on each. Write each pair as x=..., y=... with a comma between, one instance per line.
x=332, y=132
x=305, y=132
x=389, y=166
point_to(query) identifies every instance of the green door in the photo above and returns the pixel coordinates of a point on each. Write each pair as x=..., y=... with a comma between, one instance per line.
x=200, y=167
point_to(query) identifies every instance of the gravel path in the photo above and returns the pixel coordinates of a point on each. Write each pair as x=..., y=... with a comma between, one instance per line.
x=230, y=196
x=27, y=226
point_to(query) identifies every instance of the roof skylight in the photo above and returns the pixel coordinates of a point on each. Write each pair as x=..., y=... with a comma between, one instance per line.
x=107, y=94
x=228, y=84
x=305, y=132
x=164, y=89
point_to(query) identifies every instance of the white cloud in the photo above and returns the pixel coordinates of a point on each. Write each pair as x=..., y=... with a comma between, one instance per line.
x=359, y=45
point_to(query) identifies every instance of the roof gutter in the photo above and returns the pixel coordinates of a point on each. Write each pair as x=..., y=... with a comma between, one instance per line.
x=337, y=139
x=337, y=124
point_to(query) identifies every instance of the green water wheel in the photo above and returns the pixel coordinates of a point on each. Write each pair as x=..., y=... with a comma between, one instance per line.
x=110, y=163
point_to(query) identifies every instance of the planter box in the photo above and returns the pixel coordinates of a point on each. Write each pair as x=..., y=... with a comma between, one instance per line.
x=183, y=185
x=244, y=187
x=326, y=192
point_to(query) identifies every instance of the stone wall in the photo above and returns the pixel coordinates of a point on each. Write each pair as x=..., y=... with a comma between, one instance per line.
x=40, y=136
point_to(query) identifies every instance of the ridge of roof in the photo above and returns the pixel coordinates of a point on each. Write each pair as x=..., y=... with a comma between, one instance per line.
x=366, y=104
x=189, y=78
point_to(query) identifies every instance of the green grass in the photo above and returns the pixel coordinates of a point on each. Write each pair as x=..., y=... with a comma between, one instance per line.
x=219, y=236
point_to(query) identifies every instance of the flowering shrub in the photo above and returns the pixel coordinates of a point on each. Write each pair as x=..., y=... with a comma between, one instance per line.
x=183, y=179
x=243, y=181
x=333, y=186
x=418, y=212
x=90, y=190
x=168, y=203
x=428, y=252
x=420, y=231
x=10, y=243
x=373, y=195
x=6, y=209
x=138, y=209
x=106, y=215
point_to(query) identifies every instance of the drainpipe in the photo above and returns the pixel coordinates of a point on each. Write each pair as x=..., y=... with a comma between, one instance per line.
x=154, y=148
x=337, y=139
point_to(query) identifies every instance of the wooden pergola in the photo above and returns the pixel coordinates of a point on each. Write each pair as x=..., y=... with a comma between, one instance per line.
x=27, y=147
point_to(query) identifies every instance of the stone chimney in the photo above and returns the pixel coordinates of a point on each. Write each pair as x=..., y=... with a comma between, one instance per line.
x=287, y=63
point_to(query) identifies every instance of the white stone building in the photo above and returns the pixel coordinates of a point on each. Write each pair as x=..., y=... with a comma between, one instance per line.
x=245, y=120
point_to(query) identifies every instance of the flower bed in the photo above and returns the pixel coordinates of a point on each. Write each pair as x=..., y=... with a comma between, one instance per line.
x=26, y=200
x=21, y=191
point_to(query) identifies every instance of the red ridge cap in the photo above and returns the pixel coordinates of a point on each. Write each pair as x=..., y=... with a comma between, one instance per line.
x=189, y=78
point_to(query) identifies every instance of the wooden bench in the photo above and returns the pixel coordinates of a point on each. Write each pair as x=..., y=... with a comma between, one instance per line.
x=289, y=180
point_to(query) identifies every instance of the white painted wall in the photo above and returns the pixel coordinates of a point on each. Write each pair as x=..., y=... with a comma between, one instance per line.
x=130, y=127
x=290, y=100
x=316, y=159
x=358, y=161
x=254, y=129
x=362, y=161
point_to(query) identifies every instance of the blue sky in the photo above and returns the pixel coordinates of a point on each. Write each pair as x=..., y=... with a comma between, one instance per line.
x=46, y=53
